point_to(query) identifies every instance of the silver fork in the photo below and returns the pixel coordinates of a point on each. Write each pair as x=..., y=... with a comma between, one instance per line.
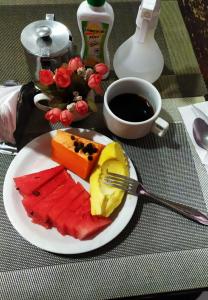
x=134, y=187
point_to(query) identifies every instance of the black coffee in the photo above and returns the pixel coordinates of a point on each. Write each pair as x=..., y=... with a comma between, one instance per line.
x=131, y=107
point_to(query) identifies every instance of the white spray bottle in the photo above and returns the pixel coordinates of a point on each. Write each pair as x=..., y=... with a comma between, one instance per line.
x=140, y=55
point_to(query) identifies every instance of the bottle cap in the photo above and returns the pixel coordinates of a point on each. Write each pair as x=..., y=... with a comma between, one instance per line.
x=96, y=2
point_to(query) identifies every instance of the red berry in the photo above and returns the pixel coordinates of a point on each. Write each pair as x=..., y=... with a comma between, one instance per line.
x=81, y=107
x=53, y=115
x=66, y=117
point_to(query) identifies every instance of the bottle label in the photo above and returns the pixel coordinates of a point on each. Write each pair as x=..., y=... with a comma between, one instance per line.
x=94, y=37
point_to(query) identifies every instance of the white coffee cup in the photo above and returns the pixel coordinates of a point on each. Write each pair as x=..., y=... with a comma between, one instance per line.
x=134, y=130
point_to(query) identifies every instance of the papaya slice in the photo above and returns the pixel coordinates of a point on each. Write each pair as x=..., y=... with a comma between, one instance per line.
x=77, y=154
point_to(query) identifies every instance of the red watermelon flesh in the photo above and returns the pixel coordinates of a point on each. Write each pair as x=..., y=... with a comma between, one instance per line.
x=90, y=225
x=80, y=204
x=75, y=208
x=64, y=202
x=39, y=222
x=27, y=184
x=84, y=226
x=77, y=220
x=29, y=202
x=56, y=200
x=42, y=208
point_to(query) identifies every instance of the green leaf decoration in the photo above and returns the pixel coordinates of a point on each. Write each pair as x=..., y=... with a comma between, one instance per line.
x=59, y=105
x=92, y=105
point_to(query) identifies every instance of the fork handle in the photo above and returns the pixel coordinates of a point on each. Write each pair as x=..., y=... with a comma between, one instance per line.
x=187, y=211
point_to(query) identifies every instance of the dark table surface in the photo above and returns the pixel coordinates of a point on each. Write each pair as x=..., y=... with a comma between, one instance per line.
x=195, y=14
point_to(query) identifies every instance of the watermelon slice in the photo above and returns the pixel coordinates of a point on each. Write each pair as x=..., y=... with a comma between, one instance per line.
x=77, y=220
x=52, y=198
x=28, y=184
x=80, y=205
x=40, y=222
x=90, y=225
x=42, y=208
x=44, y=190
x=84, y=226
x=64, y=203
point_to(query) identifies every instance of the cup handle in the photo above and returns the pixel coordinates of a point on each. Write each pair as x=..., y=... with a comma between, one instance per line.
x=160, y=127
x=40, y=97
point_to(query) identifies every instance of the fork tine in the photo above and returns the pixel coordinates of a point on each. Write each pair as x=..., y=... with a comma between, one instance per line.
x=117, y=181
x=116, y=185
x=120, y=181
x=116, y=176
x=114, y=181
x=120, y=178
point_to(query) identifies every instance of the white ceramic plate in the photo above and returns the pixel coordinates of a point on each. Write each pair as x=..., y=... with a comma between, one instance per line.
x=34, y=157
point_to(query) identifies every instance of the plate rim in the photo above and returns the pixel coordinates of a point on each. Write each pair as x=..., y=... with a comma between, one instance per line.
x=34, y=241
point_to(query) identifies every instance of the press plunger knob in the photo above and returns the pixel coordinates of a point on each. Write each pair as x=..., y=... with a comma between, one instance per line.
x=43, y=31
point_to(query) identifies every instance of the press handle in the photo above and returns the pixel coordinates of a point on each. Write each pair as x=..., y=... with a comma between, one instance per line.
x=50, y=17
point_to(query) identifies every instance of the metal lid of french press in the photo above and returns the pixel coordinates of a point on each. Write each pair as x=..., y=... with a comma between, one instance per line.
x=46, y=37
